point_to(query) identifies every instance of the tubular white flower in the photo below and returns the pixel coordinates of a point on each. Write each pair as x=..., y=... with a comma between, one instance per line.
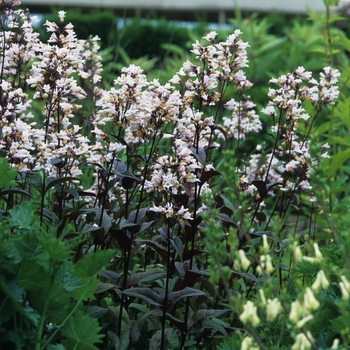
x=321, y=281
x=249, y=314
x=302, y=342
x=273, y=309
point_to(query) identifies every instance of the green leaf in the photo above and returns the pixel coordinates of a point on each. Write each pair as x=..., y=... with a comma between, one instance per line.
x=55, y=249
x=174, y=49
x=81, y=332
x=32, y=276
x=337, y=160
x=7, y=175
x=338, y=324
x=93, y=263
x=227, y=202
x=22, y=216
x=69, y=281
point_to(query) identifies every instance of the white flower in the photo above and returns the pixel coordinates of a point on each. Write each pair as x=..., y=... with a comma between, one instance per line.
x=241, y=262
x=345, y=288
x=302, y=342
x=296, y=311
x=304, y=320
x=248, y=344
x=321, y=281
x=211, y=36
x=310, y=302
x=61, y=15
x=335, y=344
x=273, y=308
x=249, y=314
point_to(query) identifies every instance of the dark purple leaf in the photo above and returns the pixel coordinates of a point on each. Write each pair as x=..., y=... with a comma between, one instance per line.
x=146, y=276
x=206, y=175
x=177, y=245
x=146, y=294
x=261, y=186
x=173, y=297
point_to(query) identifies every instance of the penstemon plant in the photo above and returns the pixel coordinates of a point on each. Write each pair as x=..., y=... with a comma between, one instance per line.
x=203, y=247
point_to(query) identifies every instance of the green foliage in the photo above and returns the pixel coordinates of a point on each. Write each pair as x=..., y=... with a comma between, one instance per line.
x=101, y=266
x=86, y=24
x=42, y=291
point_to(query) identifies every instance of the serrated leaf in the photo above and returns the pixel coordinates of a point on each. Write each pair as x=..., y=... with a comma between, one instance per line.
x=32, y=276
x=338, y=324
x=81, y=332
x=93, y=263
x=22, y=216
x=55, y=249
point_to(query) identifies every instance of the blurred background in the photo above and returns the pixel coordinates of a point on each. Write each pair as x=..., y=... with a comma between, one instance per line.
x=158, y=34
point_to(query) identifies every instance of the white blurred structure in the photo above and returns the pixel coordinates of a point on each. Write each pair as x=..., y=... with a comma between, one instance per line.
x=218, y=8
x=291, y=6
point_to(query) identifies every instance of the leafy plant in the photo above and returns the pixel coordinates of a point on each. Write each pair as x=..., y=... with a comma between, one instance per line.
x=150, y=215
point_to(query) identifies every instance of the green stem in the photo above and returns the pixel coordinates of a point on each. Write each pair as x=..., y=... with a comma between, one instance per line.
x=67, y=318
x=44, y=313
